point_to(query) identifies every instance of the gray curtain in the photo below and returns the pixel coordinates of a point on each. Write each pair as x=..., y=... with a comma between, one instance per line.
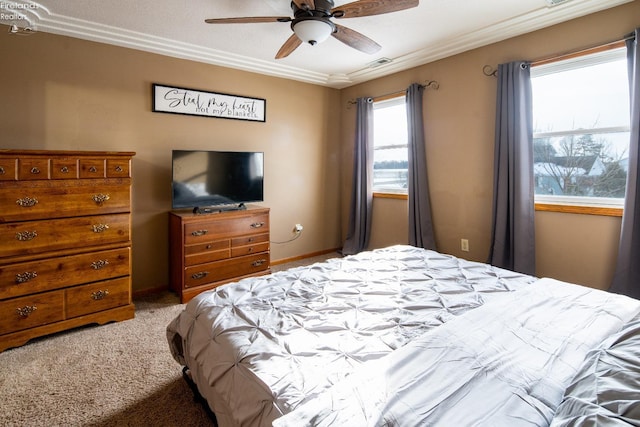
x=420, y=223
x=626, y=279
x=361, y=196
x=513, y=232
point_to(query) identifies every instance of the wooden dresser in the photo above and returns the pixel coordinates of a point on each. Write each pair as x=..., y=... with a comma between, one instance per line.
x=207, y=250
x=65, y=241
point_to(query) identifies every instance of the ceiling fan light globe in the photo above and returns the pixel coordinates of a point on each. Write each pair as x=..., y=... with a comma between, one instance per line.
x=312, y=31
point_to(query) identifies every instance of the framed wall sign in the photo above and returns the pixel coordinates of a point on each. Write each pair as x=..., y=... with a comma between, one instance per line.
x=193, y=102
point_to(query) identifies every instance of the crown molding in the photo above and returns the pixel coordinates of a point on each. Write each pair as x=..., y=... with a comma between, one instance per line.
x=44, y=20
x=542, y=18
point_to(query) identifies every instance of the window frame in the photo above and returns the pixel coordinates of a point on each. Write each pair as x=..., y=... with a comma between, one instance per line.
x=394, y=99
x=574, y=204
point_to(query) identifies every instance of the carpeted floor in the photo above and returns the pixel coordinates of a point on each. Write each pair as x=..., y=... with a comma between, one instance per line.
x=119, y=374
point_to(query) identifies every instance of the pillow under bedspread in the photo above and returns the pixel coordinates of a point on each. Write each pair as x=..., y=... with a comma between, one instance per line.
x=606, y=390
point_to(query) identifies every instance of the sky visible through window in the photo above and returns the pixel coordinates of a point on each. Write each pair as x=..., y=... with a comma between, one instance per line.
x=390, y=128
x=584, y=98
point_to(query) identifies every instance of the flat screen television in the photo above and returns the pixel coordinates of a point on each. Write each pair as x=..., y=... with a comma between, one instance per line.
x=214, y=178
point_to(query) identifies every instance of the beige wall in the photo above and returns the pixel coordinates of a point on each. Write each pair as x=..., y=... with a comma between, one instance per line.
x=65, y=93
x=460, y=132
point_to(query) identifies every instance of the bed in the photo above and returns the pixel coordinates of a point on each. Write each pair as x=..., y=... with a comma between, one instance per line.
x=403, y=336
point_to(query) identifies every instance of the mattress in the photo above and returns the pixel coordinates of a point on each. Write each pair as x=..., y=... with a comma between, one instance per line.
x=394, y=336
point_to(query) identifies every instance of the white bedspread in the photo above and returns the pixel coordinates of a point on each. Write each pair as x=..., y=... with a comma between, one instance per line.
x=506, y=363
x=398, y=319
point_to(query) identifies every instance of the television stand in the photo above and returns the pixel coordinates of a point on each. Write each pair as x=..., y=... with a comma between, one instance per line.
x=219, y=208
x=206, y=251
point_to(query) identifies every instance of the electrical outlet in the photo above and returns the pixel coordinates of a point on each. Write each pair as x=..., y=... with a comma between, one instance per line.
x=464, y=245
x=298, y=228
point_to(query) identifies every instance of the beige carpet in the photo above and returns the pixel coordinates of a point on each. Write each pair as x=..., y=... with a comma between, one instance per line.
x=119, y=374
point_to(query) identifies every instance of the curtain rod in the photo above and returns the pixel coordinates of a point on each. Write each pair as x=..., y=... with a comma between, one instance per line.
x=428, y=84
x=489, y=71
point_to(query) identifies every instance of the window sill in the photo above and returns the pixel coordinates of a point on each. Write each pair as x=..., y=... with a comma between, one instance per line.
x=545, y=207
x=583, y=210
x=400, y=196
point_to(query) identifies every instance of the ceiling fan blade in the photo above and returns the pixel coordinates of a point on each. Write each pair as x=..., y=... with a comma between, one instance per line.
x=289, y=46
x=301, y=4
x=248, y=20
x=355, y=40
x=372, y=7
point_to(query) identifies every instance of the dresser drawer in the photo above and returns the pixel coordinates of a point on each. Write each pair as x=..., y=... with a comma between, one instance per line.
x=35, y=237
x=92, y=168
x=8, y=168
x=118, y=168
x=95, y=297
x=207, y=252
x=64, y=168
x=24, y=201
x=54, y=273
x=197, y=232
x=249, y=249
x=214, y=245
x=33, y=168
x=34, y=310
x=222, y=270
x=251, y=239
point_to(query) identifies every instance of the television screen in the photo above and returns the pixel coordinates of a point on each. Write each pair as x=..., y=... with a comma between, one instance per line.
x=211, y=178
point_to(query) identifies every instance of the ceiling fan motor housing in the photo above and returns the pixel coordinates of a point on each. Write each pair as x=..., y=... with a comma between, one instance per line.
x=320, y=15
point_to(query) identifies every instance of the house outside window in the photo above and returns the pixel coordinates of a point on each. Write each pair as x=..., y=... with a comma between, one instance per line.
x=390, y=145
x=581, y=130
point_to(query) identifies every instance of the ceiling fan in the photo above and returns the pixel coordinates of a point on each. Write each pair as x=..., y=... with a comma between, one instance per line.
x=311, y=22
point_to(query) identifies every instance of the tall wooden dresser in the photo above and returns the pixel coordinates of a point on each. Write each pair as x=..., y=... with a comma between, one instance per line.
x=65, y=241
x=208, y=250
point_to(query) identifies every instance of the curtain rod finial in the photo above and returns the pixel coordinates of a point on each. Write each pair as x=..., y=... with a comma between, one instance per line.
x=488, y=71
x=432, y=84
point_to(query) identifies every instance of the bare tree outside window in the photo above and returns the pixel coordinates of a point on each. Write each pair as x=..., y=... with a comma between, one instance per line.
x=581, y=129
x=583, y=165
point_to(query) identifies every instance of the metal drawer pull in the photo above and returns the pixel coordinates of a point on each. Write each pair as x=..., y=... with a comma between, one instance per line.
x=101, y=263
x=25, y=311
x=64, y=169
x=100, y=198
x=93, y=169
x=35, y=170
x=25, y=236
x=99, y=228
x=257, y=225
x=2, y=172
x=27, y=202
x=199, y=233
x=98, y=295
x=118, y=168
x=258, y=263
x=26, y=276
x=200, y=275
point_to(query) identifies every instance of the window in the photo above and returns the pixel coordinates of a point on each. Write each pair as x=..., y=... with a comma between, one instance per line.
x=581, y=130
x=390, y=146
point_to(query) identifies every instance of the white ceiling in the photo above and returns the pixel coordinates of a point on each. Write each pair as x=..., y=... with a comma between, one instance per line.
x=433, y=30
